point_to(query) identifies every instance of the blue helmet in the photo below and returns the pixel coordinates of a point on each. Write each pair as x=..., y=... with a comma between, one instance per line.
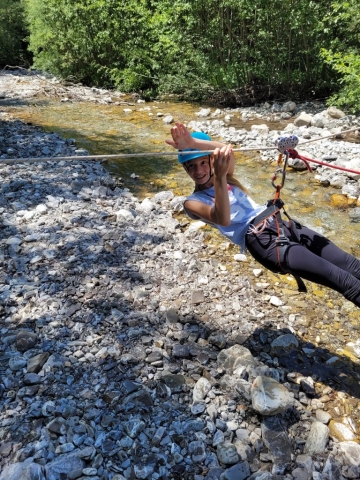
x=191, y=156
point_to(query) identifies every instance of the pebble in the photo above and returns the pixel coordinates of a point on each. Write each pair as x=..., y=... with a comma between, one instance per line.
x=117, y=361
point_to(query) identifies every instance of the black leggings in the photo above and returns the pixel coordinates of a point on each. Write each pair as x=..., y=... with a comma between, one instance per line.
x=309, y=255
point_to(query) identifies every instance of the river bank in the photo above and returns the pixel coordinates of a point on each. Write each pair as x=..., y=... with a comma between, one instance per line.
x=130, y=350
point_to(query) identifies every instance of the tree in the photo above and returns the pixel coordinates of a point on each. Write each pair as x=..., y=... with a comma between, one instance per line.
x=12, y=33
x=344, y=53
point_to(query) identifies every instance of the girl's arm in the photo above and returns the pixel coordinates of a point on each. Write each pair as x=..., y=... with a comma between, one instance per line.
x=181, y=140
x=219, y=213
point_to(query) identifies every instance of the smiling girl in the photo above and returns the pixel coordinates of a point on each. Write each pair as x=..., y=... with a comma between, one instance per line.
x=220, y=200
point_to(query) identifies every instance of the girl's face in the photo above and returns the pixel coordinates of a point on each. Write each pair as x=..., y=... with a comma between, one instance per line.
x=199, y=170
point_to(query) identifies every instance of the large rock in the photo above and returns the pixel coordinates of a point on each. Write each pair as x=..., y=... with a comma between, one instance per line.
x=284, y=343
x=235, y=356
x=269, y=397
x=341, y=432
x=317, y=439
x=351, y=451
x=288, y=107
x=22, y=471
x=303, y=120
x=277, y=441
x=335, y=112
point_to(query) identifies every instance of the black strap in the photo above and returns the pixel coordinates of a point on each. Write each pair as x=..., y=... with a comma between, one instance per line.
x=273, y=207
x=300, y=283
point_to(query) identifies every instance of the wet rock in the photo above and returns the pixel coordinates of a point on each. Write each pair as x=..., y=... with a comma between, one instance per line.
x=203, y=112
x=341, y=432
x=168, y=119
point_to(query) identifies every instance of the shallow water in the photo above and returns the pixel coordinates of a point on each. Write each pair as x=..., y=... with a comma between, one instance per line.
x=107, y=129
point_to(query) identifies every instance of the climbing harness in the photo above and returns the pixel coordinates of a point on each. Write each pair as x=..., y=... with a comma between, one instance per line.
x=275, y=205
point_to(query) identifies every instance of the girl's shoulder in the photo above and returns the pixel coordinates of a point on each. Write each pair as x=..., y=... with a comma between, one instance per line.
x=205, y=196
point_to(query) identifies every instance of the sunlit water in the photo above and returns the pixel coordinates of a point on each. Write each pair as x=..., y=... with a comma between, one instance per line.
x=107, y=129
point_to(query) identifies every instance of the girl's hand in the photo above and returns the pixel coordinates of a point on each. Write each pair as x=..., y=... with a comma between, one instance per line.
x=221, y=160
x=181, y=138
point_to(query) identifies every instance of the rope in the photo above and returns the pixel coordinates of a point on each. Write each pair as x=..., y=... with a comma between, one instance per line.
x=151, y=154
x=306, y=160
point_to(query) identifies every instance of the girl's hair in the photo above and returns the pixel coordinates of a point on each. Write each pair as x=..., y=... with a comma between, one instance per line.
x=231, y=180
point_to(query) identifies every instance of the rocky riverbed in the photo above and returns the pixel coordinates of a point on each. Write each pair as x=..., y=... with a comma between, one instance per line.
x=135, y=345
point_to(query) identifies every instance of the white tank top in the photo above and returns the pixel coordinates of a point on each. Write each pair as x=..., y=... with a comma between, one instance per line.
x=242, y=210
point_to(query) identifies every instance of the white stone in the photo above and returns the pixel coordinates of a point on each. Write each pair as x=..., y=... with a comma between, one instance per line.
x=317, y=438
x=269, y=397
x=239, y=257
x=201, y=389
x=124, y=214
x=203, y=112
x=168, y=119
x=275, y=301
x=146, y=206
x=195, y=226
x=351, y=451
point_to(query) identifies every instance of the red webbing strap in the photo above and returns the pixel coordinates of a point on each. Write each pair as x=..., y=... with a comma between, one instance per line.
x=306, y=160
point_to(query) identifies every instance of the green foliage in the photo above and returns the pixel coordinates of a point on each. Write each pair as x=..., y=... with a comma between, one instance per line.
x=195, y=48
x=344, y=53
x=12, y=33
x=95, y=41
x=348, y=66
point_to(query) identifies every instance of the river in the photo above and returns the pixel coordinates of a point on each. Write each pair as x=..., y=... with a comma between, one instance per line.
x=108, y=129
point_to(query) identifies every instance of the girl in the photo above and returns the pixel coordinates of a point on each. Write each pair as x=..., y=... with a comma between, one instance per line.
x=220, y=200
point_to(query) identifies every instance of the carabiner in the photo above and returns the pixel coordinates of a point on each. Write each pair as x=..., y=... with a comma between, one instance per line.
x=281, y=170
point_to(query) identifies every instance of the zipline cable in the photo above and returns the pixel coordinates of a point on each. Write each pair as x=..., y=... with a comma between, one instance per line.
x=9, y=161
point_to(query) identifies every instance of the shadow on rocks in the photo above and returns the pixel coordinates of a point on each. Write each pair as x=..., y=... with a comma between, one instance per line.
x=300, y=359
